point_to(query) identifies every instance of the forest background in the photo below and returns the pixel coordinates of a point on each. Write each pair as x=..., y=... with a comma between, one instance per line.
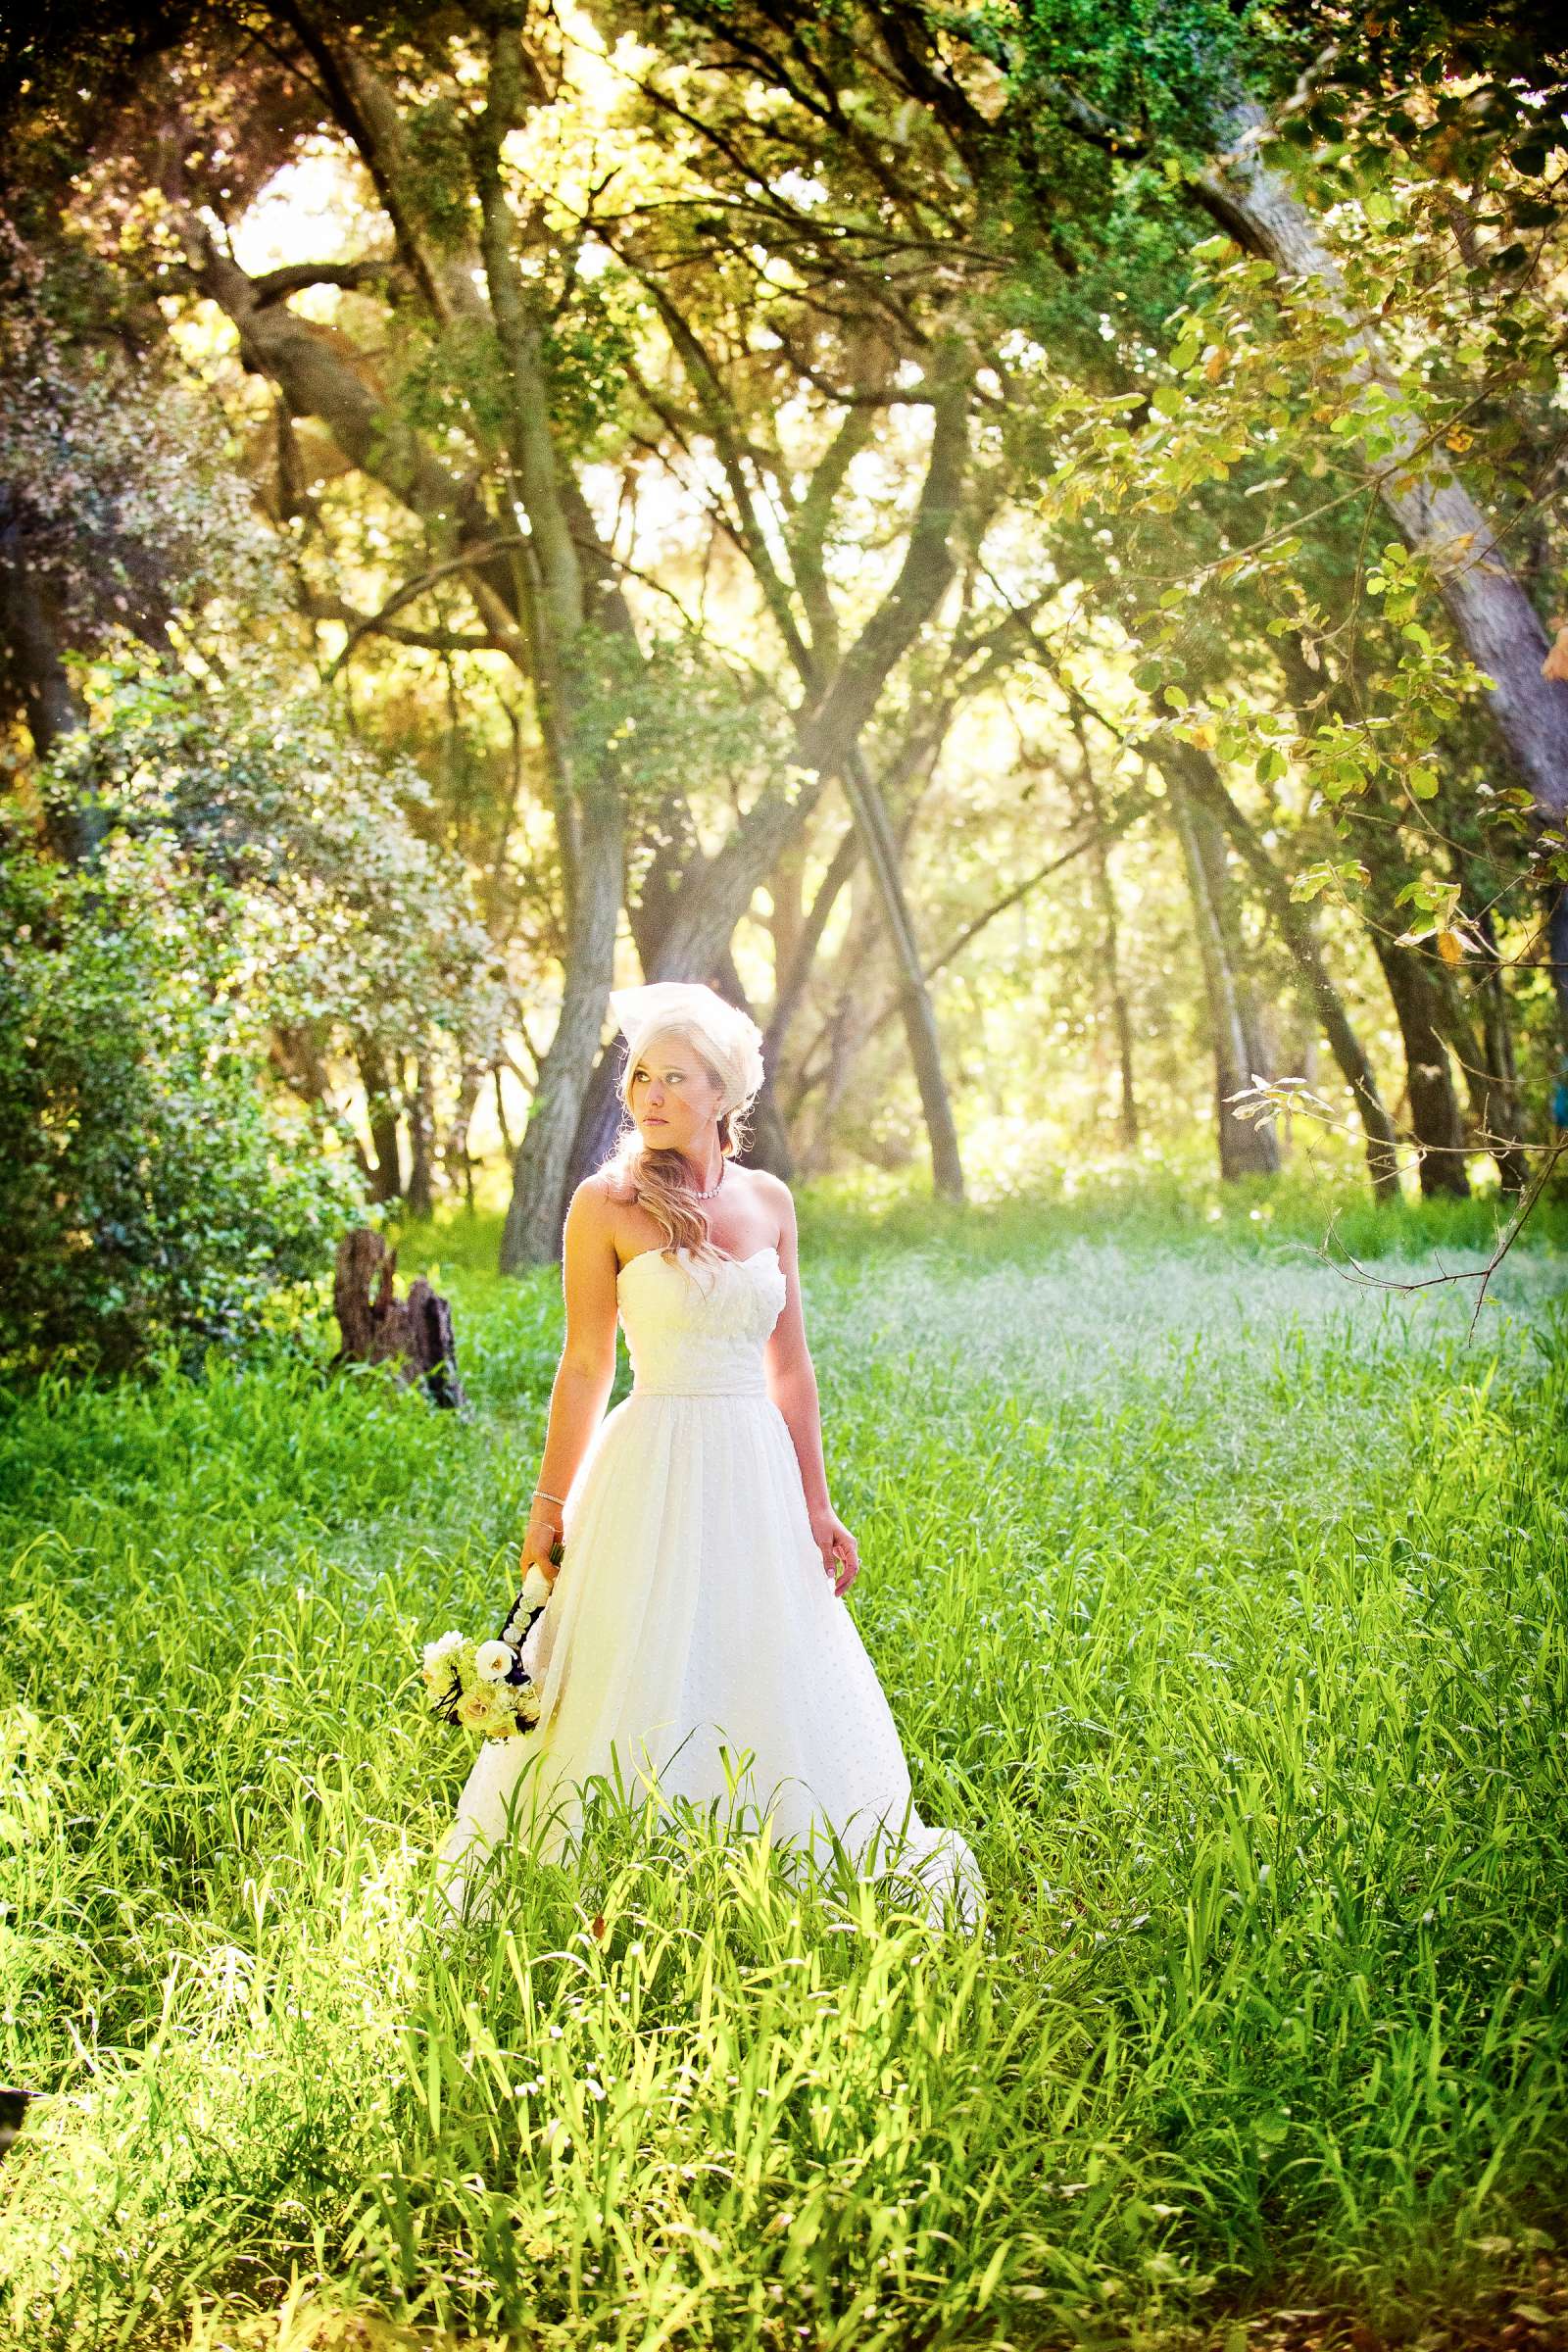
x=1027, y=549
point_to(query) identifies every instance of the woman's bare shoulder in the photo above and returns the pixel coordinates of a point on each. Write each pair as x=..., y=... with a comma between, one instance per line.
x=605, y=1186
x=775, y=1196
x=594, y=1205
x=770, y=1186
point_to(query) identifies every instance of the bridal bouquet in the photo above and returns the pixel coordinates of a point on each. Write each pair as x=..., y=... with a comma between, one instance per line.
x=484, y=1686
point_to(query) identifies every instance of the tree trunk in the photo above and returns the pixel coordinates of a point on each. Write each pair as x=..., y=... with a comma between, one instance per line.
x=1210, y=839
x=537, y=1210
x=29, y=642
x=294, y=1052
x=35, y=675
x=1432, y=995
x=786, y=920
x=1499, y=1111
x=507, y=1145
x=455, y=1152
x=919, y=1013
x=550, y=584
x=1093, y=809
x=421, y=1144
x=1487, y=1062
x=796, y=971
x=1295, y=922
x=1436, y=1125
x=832, y=735
x=1246, y=1148
x=1435, y=1122
x=691, y=931
x=769, y=1146
x=847, y=1032
x=14, y=2105
x=381, y=1117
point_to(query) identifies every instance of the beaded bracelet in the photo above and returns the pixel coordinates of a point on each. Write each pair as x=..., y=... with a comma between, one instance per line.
x=540, y=1495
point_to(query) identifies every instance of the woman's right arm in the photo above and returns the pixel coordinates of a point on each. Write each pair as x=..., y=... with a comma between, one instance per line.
x=586, y=1371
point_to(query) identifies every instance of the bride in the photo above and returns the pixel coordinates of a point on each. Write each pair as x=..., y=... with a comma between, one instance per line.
x=695, y=1643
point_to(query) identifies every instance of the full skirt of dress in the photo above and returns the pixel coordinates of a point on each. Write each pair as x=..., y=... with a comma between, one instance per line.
x=693, y=1615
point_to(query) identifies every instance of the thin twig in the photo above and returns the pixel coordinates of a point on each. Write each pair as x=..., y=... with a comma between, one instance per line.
x=1481, y=1274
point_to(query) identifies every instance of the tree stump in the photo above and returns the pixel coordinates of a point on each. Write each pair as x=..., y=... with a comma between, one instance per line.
x=414, y=1333
x=14, y=2105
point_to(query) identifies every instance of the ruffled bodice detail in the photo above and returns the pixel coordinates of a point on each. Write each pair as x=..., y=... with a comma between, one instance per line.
x=695, y=1328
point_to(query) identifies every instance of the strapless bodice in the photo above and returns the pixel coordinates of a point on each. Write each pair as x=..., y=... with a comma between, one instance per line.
x=698, y=1329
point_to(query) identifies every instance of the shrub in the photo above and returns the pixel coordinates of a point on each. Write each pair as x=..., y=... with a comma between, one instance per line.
x=155, y=1185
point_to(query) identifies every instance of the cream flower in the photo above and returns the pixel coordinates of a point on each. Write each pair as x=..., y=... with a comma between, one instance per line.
x=493, y=1661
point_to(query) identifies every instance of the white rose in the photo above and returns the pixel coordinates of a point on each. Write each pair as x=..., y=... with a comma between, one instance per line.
x=536, y=1587
x=493, y=1661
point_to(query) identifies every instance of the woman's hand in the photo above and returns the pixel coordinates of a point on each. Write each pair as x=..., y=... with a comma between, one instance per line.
x=544, y=1530
x=835, y=1543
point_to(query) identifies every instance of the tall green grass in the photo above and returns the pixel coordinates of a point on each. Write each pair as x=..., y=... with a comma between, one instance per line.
x=1221, y=1602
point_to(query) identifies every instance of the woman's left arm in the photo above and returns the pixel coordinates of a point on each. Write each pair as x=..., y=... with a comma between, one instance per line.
x=792, y=1385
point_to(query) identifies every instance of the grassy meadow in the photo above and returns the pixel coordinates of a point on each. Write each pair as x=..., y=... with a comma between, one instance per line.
x=1220, y=1599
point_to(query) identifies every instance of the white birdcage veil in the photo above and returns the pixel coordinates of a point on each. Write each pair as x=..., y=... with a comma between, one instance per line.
x=732, y=1040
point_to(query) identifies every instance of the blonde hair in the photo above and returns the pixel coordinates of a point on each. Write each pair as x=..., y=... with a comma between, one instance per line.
x=662, y=1181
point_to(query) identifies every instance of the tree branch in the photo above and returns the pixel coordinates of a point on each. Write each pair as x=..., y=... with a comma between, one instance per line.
x=276, y=285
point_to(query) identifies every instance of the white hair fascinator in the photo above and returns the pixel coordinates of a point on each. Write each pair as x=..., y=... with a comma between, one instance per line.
x=732, y=1040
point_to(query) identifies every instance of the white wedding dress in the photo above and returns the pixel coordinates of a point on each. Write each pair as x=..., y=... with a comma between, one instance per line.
x=693, y=1614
